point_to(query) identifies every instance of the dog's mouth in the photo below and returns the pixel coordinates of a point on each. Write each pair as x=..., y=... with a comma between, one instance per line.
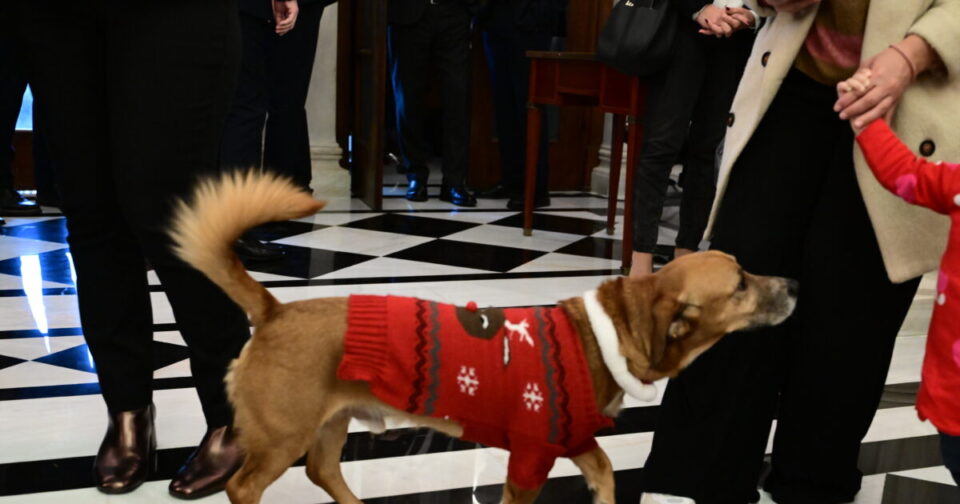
x=776, y=304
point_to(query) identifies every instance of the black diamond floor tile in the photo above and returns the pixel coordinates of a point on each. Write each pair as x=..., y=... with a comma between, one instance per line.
x=469, y=255
x=79, y=357
x=7, y=361
x=304, y=262
x=411, y=225
x=53, y=230
x=594, y=247
x=279, y=230
x=55, y=266
x=555, y=223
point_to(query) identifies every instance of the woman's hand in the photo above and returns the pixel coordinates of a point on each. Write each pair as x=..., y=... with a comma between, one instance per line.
x=743, y=15
x=285, y=15
x=891, y=72
x=790, y=6
x=717, y=22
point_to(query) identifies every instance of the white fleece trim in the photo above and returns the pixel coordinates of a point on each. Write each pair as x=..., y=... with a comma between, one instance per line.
x=609, y=343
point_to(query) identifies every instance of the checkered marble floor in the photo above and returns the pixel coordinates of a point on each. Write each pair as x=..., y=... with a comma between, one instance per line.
x=51, y=417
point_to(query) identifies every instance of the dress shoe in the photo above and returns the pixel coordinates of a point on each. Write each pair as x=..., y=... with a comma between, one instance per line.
x=496, y=192
x=12, y=204
x=253, y=249
x=128, y=452
x=417, y=190
x=2, y=222
x=458, y=195
x=209, y=468
x=538, y=202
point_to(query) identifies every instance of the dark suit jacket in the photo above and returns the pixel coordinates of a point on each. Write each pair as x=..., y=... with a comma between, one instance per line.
x=264, y=8
x=547, y=17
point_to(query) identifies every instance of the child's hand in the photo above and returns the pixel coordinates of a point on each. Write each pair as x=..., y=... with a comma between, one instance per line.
x=859, y=85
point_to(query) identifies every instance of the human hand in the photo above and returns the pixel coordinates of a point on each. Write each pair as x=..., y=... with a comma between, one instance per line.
x=857, y=85
x=717, y=22
x=745, y=16
x=285, y=15
x=890, y=74
x=790, y=6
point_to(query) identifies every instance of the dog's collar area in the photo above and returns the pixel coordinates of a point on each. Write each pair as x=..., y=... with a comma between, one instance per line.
x=609, y=343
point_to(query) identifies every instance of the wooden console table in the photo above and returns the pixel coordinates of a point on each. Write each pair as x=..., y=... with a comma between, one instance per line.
x=577, y=78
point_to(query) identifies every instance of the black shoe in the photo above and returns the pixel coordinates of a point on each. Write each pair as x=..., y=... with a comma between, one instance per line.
x=12, y=204
x=253, y=249
x=48, y=199
x=458, y=195
x=417, y=190
x=128, y=453
x=538, y=202
x=209, y=468
x=496, y=192
x=2, y=222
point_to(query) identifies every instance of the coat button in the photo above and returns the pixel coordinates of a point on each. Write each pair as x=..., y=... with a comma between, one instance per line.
x=730, y=120
x=765, y=58
x=927, y=148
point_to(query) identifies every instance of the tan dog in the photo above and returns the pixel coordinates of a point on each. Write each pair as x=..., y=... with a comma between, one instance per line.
x=284, y=386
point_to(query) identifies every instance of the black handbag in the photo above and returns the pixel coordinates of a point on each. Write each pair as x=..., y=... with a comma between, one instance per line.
x=638, y=36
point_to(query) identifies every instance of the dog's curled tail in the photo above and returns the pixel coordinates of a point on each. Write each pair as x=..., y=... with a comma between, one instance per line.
x=222, y=208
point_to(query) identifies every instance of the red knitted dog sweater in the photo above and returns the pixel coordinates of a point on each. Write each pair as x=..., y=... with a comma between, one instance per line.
x=514, y=378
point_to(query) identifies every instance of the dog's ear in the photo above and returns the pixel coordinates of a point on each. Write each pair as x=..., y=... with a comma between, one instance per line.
x=684, y=320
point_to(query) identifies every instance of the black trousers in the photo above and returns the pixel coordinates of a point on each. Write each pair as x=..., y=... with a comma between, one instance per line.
x=441, y=35
x=271, y=94
x=687, y=107
x=510, y=80
x=950, y=448
x=792, y=208
x=135, y=96
x=12, y=85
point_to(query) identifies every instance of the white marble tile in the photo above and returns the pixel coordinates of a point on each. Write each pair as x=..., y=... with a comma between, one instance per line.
x=907, y=359
x=16, y=282
x=34, y=348
x=38, y=374
x=169, y=337
x=57, y=311
x=359, y=241
x=337, y=218
x=11, y=246
x=566, y=262
x=400, y=204
x=471, y=217
x=344, y=204
x=939, y=474
x=175, y=370
x=504, y=236
x=392, y=267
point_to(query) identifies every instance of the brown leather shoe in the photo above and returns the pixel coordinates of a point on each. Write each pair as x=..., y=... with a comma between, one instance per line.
x=128, y=452
x=209, y=468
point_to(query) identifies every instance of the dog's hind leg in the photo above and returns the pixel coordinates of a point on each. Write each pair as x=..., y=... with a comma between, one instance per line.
x=598, y=471
x=513, y=494
x=323, y=460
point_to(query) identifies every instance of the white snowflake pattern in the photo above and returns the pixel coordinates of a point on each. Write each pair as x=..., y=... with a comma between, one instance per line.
x=468, y=381
x=532, y=397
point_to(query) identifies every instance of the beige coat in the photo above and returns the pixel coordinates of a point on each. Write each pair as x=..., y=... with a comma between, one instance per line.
x=911, y=238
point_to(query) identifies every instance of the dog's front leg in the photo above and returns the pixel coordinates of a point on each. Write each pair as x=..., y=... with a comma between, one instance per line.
x=598, y=471
x=513, y=494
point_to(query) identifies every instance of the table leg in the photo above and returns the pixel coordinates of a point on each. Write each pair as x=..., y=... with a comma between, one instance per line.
x=533, y=153
x=634, y=136
x=616, y=157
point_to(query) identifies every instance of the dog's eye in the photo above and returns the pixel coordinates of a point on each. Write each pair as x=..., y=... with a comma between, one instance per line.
x=743, y=284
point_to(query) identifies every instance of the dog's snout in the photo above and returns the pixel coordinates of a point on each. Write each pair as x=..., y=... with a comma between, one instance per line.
x=793, y=288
